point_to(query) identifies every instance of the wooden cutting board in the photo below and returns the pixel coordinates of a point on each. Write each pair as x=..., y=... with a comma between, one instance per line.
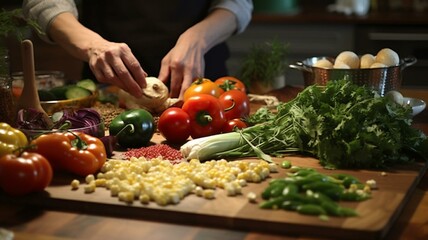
x=376, y=215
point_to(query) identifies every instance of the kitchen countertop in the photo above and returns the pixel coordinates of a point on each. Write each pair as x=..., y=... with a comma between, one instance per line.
x=30, y=223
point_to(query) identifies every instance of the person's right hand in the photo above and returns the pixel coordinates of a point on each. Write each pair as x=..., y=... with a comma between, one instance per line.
x=115, y=63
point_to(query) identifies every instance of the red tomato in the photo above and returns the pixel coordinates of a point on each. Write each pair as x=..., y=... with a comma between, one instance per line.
x=23, y=174
x=202, y=85
x=174, y=125
x=235, y=104
x=228, y=83
x=233, y=124
x=206, y=115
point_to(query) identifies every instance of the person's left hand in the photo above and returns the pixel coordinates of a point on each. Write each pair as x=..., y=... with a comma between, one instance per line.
x=183, y=63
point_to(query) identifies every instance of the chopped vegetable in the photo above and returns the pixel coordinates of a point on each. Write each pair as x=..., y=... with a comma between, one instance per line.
x=310, y=192
x=343, y=125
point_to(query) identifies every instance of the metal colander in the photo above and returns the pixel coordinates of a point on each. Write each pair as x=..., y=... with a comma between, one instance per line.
x=380, y=79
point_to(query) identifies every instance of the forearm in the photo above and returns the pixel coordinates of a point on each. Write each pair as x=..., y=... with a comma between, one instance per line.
x=214, y=29
x=69, y=33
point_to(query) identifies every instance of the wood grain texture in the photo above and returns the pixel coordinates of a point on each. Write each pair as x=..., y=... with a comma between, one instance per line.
x=376, y=215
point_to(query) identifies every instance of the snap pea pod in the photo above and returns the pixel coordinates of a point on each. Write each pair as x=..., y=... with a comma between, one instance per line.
x=311, y=209
x=322, y=186
x=353, y=196
x=274, y=189
x=300, y=181
x=310, y=192
x=290, y=188
x=290, y=205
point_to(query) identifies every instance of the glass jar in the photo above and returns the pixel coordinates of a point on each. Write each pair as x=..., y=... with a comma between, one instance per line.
x=7, y=113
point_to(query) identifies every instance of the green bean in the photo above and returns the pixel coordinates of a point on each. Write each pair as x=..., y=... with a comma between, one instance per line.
x=273, y=203
x=347, y=212
x=300, y=181
x=290, y=205
x=321, y=186
x=353, y=196
x=277, y=190
x=332, y=208
x=311, y=209
x=290, y=188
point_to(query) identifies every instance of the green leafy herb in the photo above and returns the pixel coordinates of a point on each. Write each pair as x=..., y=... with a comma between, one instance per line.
x=342, y=124
x=12, y=22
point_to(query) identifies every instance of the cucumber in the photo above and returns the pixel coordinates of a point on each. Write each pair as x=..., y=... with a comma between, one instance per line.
x=77, y=92
x=59, y=92
x=46, y=95
x=88, y=84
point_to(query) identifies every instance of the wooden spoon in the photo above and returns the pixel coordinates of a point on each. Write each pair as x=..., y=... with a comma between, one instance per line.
x=30, y=97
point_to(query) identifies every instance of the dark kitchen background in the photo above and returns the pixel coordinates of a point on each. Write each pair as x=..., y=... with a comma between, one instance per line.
x=312, y=28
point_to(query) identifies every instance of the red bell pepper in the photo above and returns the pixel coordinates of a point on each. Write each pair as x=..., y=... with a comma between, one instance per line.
x=207, y=116
x=74, y=152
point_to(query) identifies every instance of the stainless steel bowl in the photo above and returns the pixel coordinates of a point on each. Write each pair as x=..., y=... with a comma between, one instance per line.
x=380, y=79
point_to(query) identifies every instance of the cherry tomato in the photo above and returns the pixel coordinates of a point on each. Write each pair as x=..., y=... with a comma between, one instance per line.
x=234, y=124
x=202, y=85
x=23, y=174
x=174, y=125
x=228, y=83
x=206, y=115
x=235, y=104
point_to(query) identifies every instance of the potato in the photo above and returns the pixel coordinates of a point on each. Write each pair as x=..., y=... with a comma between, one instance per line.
x=340, y=65
x=388, y=57
x=367, y=60
x=378, y=65
x=348, y=58
x=323, y=63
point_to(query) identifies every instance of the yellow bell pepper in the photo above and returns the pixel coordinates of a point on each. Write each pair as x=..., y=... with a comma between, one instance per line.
x=10, y=139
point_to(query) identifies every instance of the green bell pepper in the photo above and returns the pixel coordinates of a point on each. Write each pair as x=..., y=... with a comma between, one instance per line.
x=133, y=128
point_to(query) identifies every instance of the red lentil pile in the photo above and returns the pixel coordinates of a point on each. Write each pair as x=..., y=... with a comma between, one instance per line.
x=155, y=151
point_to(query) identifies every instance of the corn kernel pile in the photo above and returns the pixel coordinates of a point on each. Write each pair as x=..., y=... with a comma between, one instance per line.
x=165, y=183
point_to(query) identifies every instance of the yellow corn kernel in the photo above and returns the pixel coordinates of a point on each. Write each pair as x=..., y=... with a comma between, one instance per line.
x=75, y=184
x=144, y=199
x=252, y=197
x=89, y=178
x=100, y=182
x=114, y=190
x=89, y=188
x=208, y=194
x=127, y=197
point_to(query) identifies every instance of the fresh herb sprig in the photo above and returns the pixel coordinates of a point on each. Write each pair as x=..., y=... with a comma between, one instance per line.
x=13, y=23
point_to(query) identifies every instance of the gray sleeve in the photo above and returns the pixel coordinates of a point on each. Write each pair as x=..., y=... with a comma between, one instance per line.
x=44, y=11
x=241, y=8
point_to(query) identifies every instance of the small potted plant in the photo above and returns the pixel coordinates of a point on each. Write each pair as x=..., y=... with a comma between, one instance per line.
x=264, y=67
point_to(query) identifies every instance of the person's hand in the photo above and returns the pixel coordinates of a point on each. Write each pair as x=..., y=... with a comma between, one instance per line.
x=114, y=63
x=183, y=63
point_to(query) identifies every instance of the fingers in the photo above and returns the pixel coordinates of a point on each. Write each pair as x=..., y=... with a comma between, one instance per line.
x=118, y=66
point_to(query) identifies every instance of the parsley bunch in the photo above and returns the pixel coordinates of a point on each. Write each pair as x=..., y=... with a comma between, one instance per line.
x=345, y=126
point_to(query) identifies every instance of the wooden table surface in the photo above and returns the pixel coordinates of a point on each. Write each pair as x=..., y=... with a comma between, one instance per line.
x=27, y=222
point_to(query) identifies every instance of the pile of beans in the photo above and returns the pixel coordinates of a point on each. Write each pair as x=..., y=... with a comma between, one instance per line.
x=155, y=151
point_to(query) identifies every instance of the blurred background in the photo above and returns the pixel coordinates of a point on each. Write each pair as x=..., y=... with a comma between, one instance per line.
x=311, y=28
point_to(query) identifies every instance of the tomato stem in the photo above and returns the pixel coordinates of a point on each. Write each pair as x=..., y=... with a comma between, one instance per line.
x=78, y=142
x=203, y=118
x=231, y=107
